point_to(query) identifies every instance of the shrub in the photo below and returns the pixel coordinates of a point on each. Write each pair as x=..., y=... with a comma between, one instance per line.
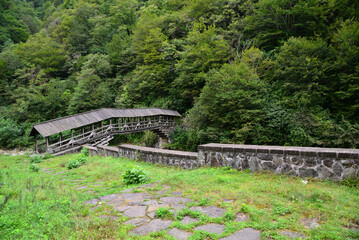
x=36, y=159
x=75, y=163
x=150, y=139
x=85, y=152
x=13, y=134
x=47, y=156
x=34, y=167
x=134, y=175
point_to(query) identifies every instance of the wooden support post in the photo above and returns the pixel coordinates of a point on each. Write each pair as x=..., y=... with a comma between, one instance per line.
x=35, y=140
x=60, y=134
x=83, y=131
x=47, y=142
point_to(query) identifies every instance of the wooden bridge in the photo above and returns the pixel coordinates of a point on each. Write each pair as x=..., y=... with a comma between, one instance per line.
x=98, y=127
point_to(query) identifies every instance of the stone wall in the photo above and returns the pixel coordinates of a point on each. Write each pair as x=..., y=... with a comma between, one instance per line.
x=186, y=160
x=323, y=163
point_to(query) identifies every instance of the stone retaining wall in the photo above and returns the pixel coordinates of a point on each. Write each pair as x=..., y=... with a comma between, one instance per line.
x=323, y=163
x=186, y=160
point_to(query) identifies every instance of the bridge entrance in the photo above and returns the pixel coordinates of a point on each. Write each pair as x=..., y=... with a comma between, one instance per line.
x=99, y=126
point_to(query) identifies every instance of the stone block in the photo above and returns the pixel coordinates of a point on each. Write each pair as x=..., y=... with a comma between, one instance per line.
x=308, y=173
x=296, y=160
x=350, y=173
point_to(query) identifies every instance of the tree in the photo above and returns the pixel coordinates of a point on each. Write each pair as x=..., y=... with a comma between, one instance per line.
x=230, y=104
x=205, y=50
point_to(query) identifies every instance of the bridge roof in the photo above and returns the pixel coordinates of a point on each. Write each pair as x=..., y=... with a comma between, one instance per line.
x=58, y=125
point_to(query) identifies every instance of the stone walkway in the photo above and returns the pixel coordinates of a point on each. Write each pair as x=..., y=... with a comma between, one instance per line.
x=140, y=206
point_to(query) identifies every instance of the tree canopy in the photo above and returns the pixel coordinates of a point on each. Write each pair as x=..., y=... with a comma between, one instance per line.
x=278, y=72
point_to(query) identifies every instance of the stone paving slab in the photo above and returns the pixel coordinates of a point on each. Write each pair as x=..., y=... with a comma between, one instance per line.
x=152, y=208
x=133, y=196
x=241, y=217
x=91, y=202
x=212, y=228
x=137, y=221
x=153, y=226
x=310, y=223
x=292, y=234
x=121, y=208
x=177, y=193
x=115, y=202
x=188, y=220
x=175, y=200
x=137, y=211
x=179, y=234
x=211, y=211
x=246, y=233
x=110, y=197
x=127, y=190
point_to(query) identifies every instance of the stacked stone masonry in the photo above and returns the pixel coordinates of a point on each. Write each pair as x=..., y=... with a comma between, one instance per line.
x=322, y=163
x=186, y=160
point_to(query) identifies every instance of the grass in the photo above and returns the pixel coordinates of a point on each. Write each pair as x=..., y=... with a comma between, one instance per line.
x=40, y=205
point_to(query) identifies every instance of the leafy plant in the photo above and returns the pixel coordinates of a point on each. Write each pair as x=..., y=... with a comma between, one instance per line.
x=36, y=159
x=75, y=163
x=203, y=202
x=34, y=167
x=85, y=151
x=47, y=156
x=134, y=175
x=282, y=210
x=150, y=138
x=163, y=213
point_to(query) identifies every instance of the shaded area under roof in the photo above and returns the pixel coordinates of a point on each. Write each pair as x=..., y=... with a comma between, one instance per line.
x=58, y=125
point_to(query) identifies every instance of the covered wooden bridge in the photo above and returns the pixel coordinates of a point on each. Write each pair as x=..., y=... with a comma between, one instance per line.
x=98, y=127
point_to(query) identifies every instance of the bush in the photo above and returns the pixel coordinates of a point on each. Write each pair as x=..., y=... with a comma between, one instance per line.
x=75, y=163
x=13, y=134
x=134, y=175
x=34, y=167
x=85, y=152
x=47, y=156
x=150, y=138
x=36, y=159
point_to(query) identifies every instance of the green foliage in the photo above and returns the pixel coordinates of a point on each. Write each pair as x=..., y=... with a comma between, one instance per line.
x=34, y=167
x=150, y=138
x=13, y=134
x=163, y=213
x=272, y=72
x=354, y=183
x=77, y=162
x=135, y=175
x=282, y=210
x=182, y=139
x=85, y=152
x=36, y=159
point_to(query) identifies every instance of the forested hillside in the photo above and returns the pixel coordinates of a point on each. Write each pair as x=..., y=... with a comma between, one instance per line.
x=275, y=72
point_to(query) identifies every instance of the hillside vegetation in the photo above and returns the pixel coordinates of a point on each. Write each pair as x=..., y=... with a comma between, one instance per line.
x=281, y=72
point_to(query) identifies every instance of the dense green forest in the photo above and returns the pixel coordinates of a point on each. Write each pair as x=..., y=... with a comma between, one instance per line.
x=275, y=72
